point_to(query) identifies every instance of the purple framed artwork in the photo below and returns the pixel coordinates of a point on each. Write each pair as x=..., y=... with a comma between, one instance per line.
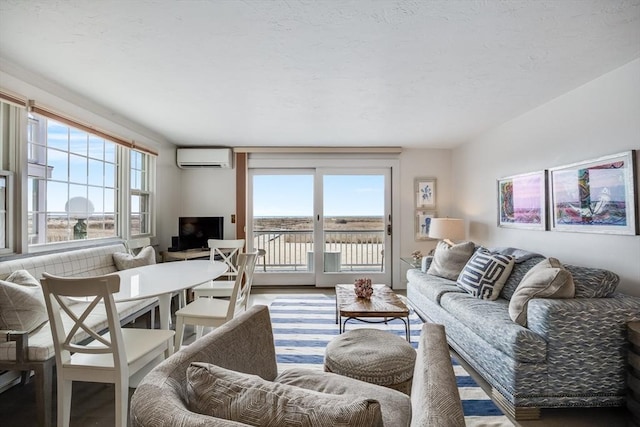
x=522, y=201
x=595, y=196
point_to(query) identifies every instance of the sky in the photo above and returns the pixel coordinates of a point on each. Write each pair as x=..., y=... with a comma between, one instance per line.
x=292, y=195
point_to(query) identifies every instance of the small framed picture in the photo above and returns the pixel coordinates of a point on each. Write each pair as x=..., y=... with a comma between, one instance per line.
x=425, y=193
x=423, y=223
x=522, y=201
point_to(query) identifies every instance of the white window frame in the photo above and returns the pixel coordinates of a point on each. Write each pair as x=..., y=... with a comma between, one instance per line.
x=147, y=190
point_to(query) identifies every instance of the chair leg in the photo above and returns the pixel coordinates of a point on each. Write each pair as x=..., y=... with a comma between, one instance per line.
x=179, y=332
x=199, y=330
x=122, y=402
x=64, y=401
x=43, y=375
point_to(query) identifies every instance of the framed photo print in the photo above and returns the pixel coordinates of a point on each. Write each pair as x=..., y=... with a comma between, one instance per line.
x=595, y=196
x=425, y=193
x=522, y=201
x=423, y=222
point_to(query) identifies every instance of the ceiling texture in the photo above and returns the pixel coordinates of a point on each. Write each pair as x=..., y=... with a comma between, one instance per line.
x=430, y=73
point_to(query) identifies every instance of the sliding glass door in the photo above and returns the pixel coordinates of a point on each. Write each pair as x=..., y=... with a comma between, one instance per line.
x=320, y=226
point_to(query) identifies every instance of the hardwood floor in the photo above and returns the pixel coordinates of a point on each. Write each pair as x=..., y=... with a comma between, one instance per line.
x=93, y=404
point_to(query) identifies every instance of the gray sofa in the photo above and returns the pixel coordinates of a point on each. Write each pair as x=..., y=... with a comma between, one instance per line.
x=571, y=353
x=245, y=344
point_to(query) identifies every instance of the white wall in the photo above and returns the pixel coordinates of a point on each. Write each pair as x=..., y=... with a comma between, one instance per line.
x=209, y=192
x=599, y=118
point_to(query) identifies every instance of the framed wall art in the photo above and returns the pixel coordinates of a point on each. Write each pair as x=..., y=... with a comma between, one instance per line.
x=595, y=196
x=522, y=201
x=425, y=193
x=423, y=222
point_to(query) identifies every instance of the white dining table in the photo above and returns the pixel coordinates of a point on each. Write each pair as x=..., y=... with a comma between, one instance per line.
x=162, y=280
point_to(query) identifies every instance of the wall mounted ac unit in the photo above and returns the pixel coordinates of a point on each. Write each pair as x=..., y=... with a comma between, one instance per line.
x=187, y=158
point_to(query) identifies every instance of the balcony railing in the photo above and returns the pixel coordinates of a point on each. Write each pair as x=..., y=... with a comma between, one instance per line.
x=345, y=250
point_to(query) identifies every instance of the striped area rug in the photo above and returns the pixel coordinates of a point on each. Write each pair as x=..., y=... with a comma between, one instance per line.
x=303, y=325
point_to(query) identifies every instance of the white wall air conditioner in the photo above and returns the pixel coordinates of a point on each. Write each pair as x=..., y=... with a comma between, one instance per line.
x=187, y=158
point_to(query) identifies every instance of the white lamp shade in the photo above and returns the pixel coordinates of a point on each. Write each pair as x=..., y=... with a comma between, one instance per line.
x=446, y=228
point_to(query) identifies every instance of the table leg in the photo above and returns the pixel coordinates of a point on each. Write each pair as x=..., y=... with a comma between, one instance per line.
x=164, y=301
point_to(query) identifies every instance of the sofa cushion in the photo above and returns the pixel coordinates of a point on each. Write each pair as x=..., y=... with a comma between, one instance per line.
x=395, y=406
x=22, y=306
x=485, y=274
x=222, y=393
x=491, y=322
x=448, y=260
x=124, y=261
x=548, y=279
x=432, y=287
x=593, y=282
x=520, y=268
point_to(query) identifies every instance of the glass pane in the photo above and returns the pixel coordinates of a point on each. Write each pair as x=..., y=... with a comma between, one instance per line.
x=57, y=135
x=100, y=227
x=96, y=195
x=109, y=175
x=136, y=159
x=96, y=147
x=353, y=222
x=135, y=179
x=135, y=225
x=109, y=201
x=57, y=196
x=57, y=165
x=78, y=142
x=78, y=169
x=283, y=220
x=135, y=204
x=58, y=229
x=96, y=175
x=109, y=152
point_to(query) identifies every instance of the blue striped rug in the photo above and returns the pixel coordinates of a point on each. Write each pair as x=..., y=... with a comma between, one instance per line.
x=303, y=325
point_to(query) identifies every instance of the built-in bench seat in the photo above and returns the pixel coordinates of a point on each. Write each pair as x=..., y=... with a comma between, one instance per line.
x=26, y=352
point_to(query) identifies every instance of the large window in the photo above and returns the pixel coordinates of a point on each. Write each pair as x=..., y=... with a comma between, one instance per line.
x=74, y=179
x=72, y=183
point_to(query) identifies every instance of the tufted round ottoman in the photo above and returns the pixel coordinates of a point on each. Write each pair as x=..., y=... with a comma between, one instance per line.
x=374, y=356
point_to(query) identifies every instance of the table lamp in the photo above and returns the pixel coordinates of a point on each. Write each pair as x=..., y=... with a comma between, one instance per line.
x=447, y=229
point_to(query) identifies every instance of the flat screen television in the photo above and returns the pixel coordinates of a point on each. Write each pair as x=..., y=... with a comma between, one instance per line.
x=195, y=231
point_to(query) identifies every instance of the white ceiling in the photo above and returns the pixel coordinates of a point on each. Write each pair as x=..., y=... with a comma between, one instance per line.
x=431, y=73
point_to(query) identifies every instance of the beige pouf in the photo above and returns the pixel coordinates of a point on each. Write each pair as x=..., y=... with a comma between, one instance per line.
x=374, y=356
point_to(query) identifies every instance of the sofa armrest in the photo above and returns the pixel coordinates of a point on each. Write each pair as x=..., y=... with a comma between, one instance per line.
x=244, y=344
x=435, y=400
x=586, y=339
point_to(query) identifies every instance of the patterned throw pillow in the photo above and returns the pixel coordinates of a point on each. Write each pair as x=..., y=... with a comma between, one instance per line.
x=547, y=279
x=124, y=261
x=485, y=274
x=22, y=306
x=448, y=261
x=231, y=395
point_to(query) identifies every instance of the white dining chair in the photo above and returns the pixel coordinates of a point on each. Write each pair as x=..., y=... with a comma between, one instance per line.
x=214, y=312
x=226, y=251
x=110, y=356
x=135, y=245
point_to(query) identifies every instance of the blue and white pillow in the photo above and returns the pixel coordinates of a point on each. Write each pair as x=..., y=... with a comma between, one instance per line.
x=485, y=274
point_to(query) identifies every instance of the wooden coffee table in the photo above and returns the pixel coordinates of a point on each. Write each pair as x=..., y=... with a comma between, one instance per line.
x=383, y=303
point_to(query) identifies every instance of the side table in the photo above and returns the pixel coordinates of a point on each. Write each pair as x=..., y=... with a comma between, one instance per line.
x=413, y=262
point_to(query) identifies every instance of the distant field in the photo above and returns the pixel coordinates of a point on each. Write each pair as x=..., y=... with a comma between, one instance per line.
x=367, y=223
